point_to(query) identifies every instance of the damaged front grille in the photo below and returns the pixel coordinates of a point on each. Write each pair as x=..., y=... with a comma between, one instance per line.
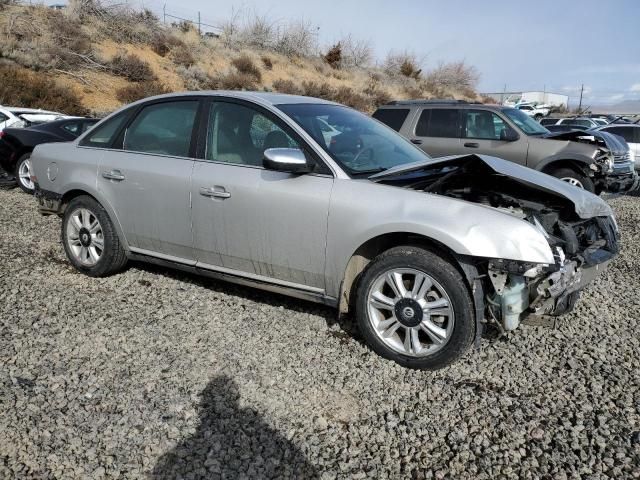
x=622, y=158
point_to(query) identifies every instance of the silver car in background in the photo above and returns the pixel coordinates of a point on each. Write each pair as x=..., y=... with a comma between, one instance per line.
x=247, y=187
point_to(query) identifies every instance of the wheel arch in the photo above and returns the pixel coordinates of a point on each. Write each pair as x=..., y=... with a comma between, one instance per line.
x=78, y=191
x=577, y=164
x=373, y=247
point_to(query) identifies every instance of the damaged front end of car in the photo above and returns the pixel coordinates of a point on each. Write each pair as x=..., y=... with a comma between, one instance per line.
x=579, y=228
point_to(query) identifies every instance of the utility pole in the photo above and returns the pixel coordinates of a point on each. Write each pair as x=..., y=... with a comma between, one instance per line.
x=164, y=13
x=580, y=104
x=199, y=29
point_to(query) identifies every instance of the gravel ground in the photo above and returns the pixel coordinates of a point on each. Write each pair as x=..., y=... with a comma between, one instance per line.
x=153, y=373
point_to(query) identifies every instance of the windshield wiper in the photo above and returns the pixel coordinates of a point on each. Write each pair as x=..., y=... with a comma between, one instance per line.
x=369, y=172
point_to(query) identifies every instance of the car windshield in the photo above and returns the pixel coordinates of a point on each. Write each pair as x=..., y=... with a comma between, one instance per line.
x=358, y=143
x=527, y=124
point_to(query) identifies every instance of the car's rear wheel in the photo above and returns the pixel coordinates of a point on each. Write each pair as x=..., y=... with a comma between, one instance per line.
x=90, y=239
x=414, y=307
x=574, y=178
x=23, y=174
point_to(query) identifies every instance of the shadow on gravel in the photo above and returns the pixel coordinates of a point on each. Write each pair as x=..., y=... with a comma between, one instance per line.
x=232, y=441
x=346, y=323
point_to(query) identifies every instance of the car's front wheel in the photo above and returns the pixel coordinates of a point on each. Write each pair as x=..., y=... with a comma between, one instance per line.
x=574, y=178
x=90, y=239
x=23, y=173
x=414, y=307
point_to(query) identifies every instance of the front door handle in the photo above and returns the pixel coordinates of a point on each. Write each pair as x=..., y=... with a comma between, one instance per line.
x=216, y=192
x=471, y=145
x=113, y=175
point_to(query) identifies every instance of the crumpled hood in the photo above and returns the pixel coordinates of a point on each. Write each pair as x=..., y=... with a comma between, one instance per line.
x=616, y=144
x=587, y=205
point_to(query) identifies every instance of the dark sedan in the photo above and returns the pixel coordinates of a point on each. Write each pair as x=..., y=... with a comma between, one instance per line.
x=16, y=145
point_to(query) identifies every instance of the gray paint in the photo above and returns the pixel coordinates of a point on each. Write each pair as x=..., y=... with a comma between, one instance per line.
x=297, y=231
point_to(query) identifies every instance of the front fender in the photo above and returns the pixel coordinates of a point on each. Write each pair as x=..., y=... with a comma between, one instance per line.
x=581, y=160
x=362, y=210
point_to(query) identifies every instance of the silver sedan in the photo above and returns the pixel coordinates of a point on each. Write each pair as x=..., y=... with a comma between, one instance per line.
x=247, y=187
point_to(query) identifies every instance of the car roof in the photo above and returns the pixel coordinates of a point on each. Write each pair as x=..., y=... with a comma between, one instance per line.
x=265, y=98
x=29, y=110
x=441, y=103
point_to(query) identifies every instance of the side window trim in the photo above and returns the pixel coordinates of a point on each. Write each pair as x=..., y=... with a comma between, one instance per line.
x=280, y=123
x=118, y=143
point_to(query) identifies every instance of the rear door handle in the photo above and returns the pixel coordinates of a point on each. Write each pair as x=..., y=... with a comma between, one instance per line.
x=216, y=192
x=113, y=175
x=417, y=141
x=471, y=145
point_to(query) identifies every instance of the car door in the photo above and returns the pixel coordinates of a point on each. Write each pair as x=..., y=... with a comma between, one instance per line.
x=487, y=133
x=437, y=132
x=248, y=220
x=147, y=178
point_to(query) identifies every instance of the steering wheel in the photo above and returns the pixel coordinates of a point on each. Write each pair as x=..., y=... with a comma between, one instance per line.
x=356, y=159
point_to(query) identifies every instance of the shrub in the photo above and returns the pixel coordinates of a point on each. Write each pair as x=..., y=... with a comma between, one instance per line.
x=356, y=53
x=351, y=98
x=334, y=56
x=21, y=87
x=405, y=64
x=234, y=81
x=139, y=90
x=195, y=78
x=319, y=90
x=455, y=76
x=163, y=42
x=182, y=56
x=378, y=95
x=286, y=86
x=132, y=68
x=267, y=62
x=245, y=66
x=297, y=39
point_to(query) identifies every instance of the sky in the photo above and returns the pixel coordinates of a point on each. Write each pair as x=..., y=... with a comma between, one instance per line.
x=552, y=45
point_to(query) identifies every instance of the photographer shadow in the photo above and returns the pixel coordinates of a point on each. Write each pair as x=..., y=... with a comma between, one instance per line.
x=232, y=442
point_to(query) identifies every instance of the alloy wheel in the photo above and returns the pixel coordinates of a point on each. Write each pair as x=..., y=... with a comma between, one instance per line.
x=410, y=312
x=24, y=175
x=85, y=237
x=573, y=181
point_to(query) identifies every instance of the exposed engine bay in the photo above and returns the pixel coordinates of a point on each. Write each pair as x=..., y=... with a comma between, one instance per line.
x=582, y=245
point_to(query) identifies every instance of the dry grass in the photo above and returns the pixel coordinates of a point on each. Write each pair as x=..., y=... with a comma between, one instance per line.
x=19, y=86
x=139, y=90
x=253, y=54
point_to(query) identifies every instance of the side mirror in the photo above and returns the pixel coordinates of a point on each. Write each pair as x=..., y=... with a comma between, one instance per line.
x=509, y=135
x=290, y=160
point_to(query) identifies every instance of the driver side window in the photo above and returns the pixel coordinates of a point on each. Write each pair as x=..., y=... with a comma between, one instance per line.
x=483, y=125
x=238, y=134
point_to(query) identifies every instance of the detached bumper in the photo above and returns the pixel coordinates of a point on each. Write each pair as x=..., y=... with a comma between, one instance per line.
x=48, y=202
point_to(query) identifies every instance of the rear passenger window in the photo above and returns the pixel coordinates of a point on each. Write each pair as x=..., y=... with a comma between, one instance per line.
x=438, y=122
x=392, y=117
x=104, y=134
x=163, y=129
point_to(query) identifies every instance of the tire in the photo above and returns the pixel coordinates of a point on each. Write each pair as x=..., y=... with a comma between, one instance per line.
x=574, y=177
x=457, y=328
x=23, y=168
x=94, y=251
